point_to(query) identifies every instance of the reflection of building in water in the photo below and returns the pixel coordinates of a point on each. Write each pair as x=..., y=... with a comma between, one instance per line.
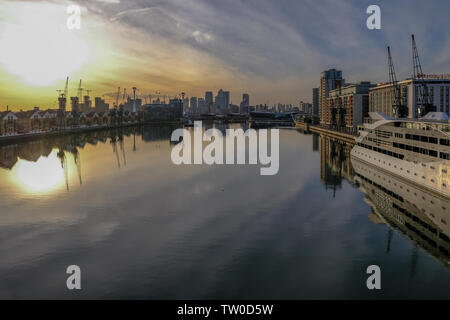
x=150, y=133
x=334, y=162
x=8, y=156
x=315, y=143
x=33, y=150
x=421, y=214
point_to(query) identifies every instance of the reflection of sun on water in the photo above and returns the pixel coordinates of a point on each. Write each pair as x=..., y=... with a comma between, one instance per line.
x=44, y=175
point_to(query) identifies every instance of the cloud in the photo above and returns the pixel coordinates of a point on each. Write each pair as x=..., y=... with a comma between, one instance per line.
x=109, y=1
x=275, y=50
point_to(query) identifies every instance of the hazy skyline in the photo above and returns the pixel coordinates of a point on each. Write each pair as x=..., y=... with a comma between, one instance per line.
x=273, y=50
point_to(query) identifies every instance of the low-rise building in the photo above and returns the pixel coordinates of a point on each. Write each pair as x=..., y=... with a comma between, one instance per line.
x=8, y=123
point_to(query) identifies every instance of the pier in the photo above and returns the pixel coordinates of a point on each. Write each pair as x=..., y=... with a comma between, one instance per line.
x=307, y=127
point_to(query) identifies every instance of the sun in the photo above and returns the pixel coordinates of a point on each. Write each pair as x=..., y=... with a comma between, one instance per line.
x=37, y=46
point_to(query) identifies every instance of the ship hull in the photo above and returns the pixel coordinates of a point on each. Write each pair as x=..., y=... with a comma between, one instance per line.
x=431, y=175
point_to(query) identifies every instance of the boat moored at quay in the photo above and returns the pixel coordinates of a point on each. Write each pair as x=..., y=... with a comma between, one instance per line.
x=417, y=150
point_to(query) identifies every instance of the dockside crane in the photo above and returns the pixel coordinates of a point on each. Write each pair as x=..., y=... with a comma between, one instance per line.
x=423, y=102
x=399, y=110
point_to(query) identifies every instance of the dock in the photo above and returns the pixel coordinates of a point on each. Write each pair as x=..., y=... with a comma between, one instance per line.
x=307, y=127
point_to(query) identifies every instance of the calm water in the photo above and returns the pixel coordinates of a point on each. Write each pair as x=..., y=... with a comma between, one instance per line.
x=141, y=227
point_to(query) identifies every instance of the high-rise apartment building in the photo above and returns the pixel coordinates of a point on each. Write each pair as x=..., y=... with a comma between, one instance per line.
x=330, y=80
x=315, y=102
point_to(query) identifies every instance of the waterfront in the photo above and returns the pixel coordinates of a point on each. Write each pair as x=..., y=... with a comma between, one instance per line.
x=113, y=203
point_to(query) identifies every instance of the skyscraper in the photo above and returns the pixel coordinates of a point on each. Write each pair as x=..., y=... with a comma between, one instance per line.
x=193, y=105
x=245, y=103
x=209, y=100
x=315, y=102
x=330, y=80
x=222, y=102
x=227, y=99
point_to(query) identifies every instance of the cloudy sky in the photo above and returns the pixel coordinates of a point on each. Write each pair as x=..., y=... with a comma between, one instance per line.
x=274, y=50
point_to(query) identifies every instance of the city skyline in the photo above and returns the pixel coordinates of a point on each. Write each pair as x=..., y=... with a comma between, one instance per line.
x=260, y=48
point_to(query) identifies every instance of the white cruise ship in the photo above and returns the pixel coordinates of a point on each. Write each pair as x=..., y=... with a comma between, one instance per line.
x=417, y=150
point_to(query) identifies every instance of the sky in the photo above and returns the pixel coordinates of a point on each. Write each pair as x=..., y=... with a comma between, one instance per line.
x=273, y=50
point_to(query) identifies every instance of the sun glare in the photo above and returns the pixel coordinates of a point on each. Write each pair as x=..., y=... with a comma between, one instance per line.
x=42, y=176
x=38, y=47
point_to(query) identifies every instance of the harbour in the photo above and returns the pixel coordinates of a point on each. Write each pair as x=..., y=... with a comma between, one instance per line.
x=202, y=251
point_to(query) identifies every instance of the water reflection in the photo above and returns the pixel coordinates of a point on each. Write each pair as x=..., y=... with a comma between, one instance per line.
x=335, y=165
x=418, y=213
x=142, y=227
x=43, y=166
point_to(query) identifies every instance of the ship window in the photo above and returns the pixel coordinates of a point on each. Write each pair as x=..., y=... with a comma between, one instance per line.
x=432, y=140
x=445, y=156
x=433, y=153
x=416, y=137
x=445, y=142
x=424, y=138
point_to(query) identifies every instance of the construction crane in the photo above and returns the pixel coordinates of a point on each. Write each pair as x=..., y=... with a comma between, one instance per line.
x=134, y=99
x=66, y=88
x=399, y=110
x=423, y=103
x=80, y=92
x=62, y=100
x=124, y=95
x=117, y=97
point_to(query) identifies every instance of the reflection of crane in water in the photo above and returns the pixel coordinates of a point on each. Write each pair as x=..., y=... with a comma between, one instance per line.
x=62, y=157
x=122, y=148
x=76, y=157
x=114, y=145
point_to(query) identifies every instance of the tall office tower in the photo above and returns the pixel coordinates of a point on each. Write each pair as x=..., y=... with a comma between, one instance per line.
x=330, y=79
x=209, y=100
x=227, y=99
x=245, y=103
x=222, y=102
x=315, y=100
x=193, y=105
